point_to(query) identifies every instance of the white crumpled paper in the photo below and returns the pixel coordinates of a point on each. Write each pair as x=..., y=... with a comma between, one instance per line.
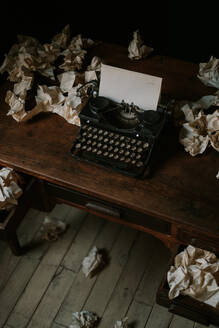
x=84, y=319
x=209, y=72
x=91, y=262
x=137, y=50
x=92, y=72
x=52, y=228
x=121, y=323
x=28, y=60
x=9, y=189
x=200, y=130
x=193, y=274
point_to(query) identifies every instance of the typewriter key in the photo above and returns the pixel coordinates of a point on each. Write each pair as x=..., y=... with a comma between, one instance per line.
x=121, y=151
x=145, y=145
x=106, y=153
x=122, y=158
x=100, y=138
x=94, y=143
x=133, y=148
x=127, y=153
x=90, y=128
x=116, y=136
x=83, y=140
x=106, y=140
x=116, y=143
x=139, y=164
x=133, y=161
x=99, y=152
x=138, y=156
x=133, y=141
x=95, y=136
x=89, y=149
x=84, y=147
x=100, y=131
x=111, y=141
x=132, y=155
x=90, y=135
x=84, y=133
x=94, y=150
x=116, y=156
x=128, y=160
x=122, y=138
x=78, y=145
x=106, y=133
x=111, y=134
x=105, y=147
x=95, y=130
x=122, y=144
x=110, y=148
x=116, y=150
x=89, y=142
x=128, y=146
x=110, y=155
x=99, y=144
x=139, y=142
x=139, y=150
x=84, y=127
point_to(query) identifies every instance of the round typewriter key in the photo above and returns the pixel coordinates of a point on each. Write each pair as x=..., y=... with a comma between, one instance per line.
x=133, y=148
x=106, y=140
x=106, y=153
x=95, y=130
x=139, y=164
x=128, y=146
x=116, y=150
x=105, y=147
x=133, y=161
x=89, y=142
x=111, y=141
x=106, y=133
x=122, y=144
x=132, y=155
x=145, y=145
x=133, y=141
x=95, y=136
x=111, y=134
x=90, y=135
x=110, y=155
x=116, y=136
x=139, y=142
x=116, y=143
x=122, y=158
x=84, y=147
x=139, y=150
x=99, y=152
x=83, y=140
x=116, y=156
x=121, y=151
x=94, y=150
x=138, y=156
x=84, y=134
x=127, y=153
x=89, y=148
x=110, y=148
x=99, y=144
x=128, y=160
x=122, y=138
x=100, y=138
x=84, y=127
x=127, y=139
x=90, y=128
x=94, y=143
x=100, y=131
x=78, y=145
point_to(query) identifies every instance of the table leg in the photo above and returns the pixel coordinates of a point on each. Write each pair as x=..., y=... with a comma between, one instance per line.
x=15, y=245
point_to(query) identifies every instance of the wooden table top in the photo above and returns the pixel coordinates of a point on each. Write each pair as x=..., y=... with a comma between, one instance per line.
x=183, y=189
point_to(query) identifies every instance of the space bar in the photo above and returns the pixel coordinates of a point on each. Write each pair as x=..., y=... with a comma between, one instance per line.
x=106, y=161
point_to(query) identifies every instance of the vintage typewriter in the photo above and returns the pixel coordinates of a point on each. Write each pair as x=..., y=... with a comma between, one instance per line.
x=119, y=136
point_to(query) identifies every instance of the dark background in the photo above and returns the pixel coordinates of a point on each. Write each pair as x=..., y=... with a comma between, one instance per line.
x=171, y=28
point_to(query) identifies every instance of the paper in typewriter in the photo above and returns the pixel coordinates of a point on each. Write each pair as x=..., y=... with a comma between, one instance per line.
x=119, y=84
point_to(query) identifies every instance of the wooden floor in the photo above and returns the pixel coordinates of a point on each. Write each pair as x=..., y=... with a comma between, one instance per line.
x=44, y=287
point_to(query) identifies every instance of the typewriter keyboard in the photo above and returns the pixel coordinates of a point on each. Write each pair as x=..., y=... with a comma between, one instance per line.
x=111, y=149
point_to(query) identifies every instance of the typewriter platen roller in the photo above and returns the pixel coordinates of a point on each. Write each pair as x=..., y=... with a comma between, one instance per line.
x=118, y=136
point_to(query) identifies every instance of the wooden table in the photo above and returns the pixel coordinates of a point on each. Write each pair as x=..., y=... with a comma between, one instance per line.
x=179, y=204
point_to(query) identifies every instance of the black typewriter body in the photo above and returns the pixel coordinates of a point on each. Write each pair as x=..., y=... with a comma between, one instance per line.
x=118, y=136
